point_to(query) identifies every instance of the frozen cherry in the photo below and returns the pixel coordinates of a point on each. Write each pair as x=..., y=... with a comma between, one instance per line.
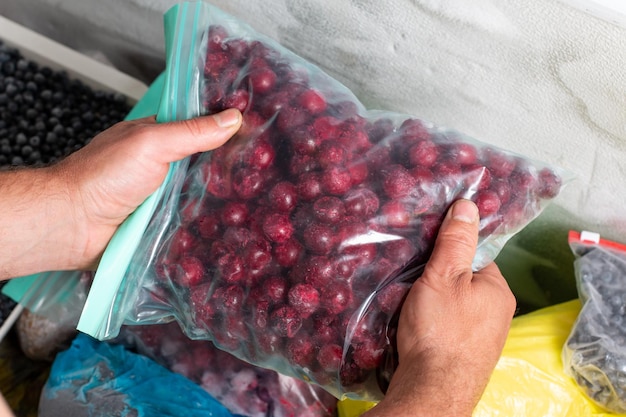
x=284, y=196
x=358, y=171
x=487, y=202
x=304, y=298
x=285, y=321
x=229, y=298
x=231, y=267
x=330, y=154
x=235, y=213
x=423, y=154
x=288, y=253
x=191, y=271
x=462, y=153
x=329, y=357
x=277, y=227
x=336, y=297
x=500, y=164
x=320, y=239
x=238, y=99
x=368, y=354
x=329, y=209
x=259, y=154
x=275, y=287
x=336, y=180
x=262, y=79
x=502, y=188
x=398, y=182
x=399, y=250
x=290, y=117
x=361, y=202
x=309, y=186
x=316, y=270
x=312, y=101
x=248, y=183
x=395, y=214
x=300, y=351
x=208, y=225
x=549, y=183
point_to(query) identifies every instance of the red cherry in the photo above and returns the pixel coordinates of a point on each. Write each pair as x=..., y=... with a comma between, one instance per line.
x=313, y=101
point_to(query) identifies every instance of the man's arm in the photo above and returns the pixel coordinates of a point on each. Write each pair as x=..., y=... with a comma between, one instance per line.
x=62, y=217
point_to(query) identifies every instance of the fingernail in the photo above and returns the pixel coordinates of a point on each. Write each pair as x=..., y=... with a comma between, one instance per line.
x=227, y=118
x=465, y=211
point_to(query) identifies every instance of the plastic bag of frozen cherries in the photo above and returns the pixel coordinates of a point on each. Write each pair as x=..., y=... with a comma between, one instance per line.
x=244, y=389
x=293, y=245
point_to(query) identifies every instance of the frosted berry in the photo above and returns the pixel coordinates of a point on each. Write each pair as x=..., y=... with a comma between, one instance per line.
x=320, y=239
x=277, y=227
x=487, y=202
x=336, y=180
x=398, y=182
x=191, y=271
x=423, y=154
x=309, y=186
x=304, y=298
x=336, y=298
x=313, y=101
x=329, y=357
x=262, y=80
x=301, y=351
x=235, y=213
x=288, y=253
x=248, y=183
x=283, y=196
x=549, y=183
x=329, y=209
x=285, y=321
x=231, y=268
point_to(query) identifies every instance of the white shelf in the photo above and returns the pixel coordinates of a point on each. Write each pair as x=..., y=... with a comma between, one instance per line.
x=47, y=52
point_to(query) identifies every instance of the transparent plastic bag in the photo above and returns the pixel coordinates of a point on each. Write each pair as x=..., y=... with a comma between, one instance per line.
x=293, y=245
x=244, y=389
x=595, y=351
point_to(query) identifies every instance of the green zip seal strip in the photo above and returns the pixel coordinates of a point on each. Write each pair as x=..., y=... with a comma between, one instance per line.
x=180, y=41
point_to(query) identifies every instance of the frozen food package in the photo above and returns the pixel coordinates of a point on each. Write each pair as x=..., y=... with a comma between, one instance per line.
x=293, y=245
x=242, y=388
x=595, y=351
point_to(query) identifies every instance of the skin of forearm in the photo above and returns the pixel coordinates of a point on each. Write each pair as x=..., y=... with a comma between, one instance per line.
x=437, y=389
x=37, y=228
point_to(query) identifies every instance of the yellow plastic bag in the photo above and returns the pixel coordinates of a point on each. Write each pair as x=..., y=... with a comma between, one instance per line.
x=528, y=380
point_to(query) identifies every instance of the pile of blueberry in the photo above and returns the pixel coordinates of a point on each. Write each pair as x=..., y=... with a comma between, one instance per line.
x=288, y=240
x=45, y=114
x=595, y=352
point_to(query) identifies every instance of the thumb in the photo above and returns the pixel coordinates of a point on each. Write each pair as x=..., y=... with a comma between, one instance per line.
x=179, y=139
x=456, y=243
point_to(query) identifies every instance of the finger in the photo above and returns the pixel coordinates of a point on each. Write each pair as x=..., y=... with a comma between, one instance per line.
x=175, y=140
x=456, y=242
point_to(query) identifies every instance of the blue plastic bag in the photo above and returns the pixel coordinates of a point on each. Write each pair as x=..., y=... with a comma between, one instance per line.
x=92, y=379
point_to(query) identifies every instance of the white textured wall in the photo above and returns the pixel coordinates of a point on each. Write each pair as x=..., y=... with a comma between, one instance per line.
x=538, y=77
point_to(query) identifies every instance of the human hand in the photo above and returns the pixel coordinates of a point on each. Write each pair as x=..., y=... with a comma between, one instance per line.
x=452, y=327
x=111, y=176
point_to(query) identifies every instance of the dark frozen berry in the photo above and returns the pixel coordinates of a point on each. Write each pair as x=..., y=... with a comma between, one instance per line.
x=285, y=321
x=329, y=357
x=277, y=227
x=283, y=196
x=288, y=253
x=329, y=209
x=304, y=298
